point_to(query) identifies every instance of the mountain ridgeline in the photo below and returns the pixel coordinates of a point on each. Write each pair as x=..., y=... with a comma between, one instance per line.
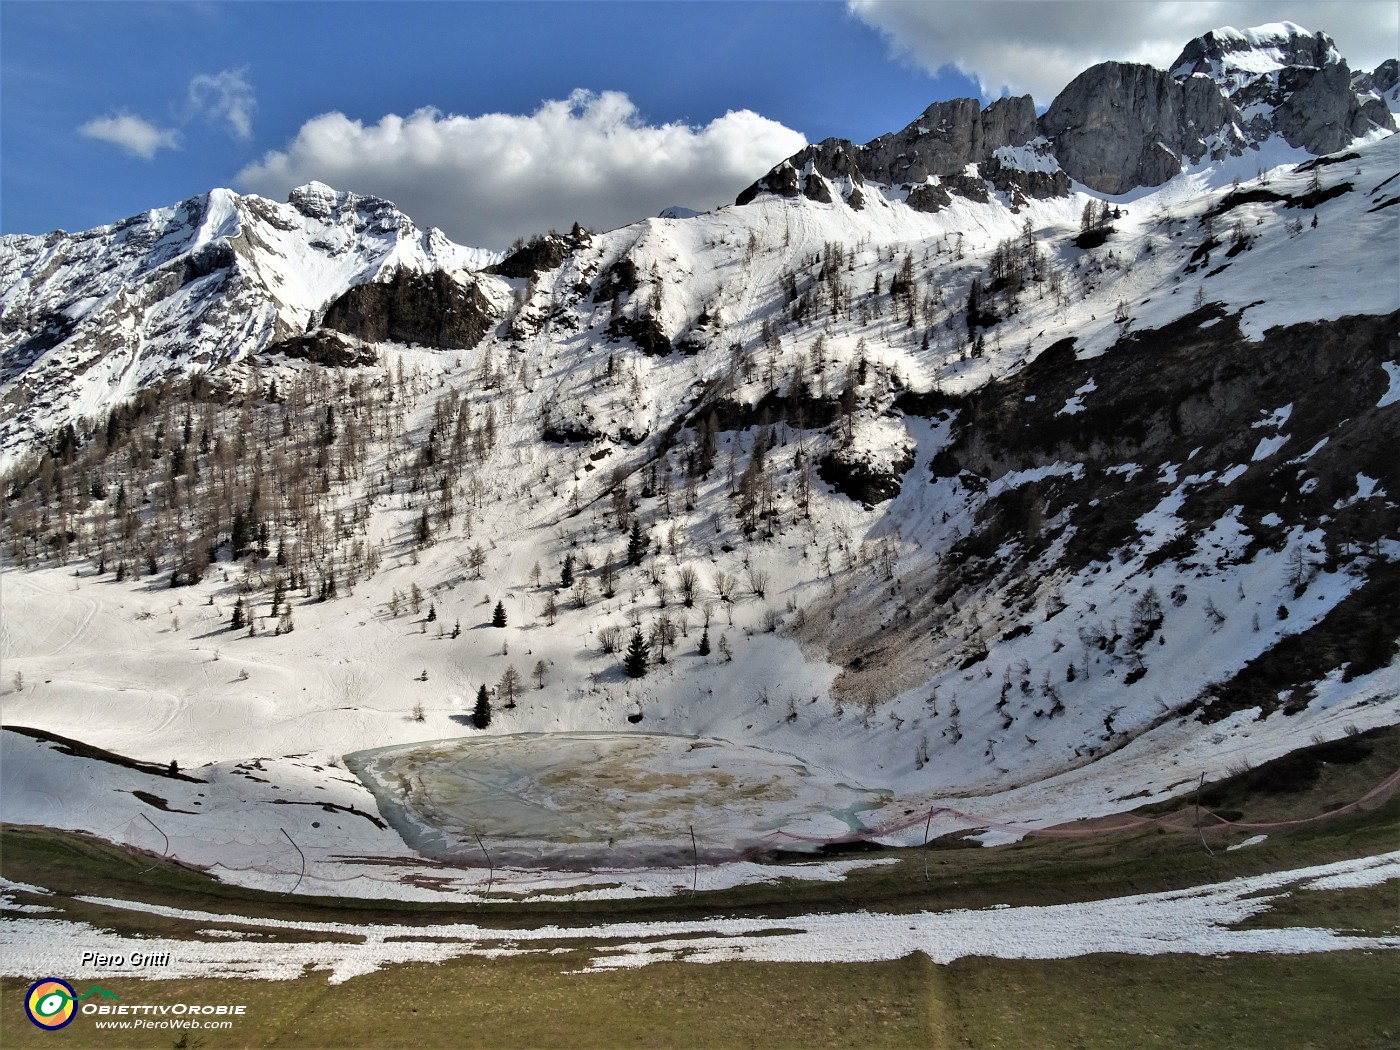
x=1116, y=127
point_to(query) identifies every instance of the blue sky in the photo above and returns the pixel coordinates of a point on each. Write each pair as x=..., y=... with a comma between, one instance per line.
x=108, y=109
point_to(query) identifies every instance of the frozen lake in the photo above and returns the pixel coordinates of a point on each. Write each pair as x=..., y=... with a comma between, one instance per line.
x=573, y=800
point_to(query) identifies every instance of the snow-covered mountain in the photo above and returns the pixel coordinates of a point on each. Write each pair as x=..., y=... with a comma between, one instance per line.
x=1116, y=127
x=88, y=319
x=931, y=462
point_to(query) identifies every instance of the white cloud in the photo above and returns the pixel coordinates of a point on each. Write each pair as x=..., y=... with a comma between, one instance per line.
x=488, y=179
x=225, y=96
x=138, y=137
x=1038, y=46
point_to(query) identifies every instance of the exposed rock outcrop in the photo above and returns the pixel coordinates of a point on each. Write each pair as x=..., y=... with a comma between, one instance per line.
x=1115, y=127
x=1290, y=81
x=540, y=254
x=432, y=309
x=1119, y=125
x=324, y=347
x=942, y=143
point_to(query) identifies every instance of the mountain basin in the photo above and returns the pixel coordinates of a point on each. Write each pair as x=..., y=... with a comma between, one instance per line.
x=615, y=800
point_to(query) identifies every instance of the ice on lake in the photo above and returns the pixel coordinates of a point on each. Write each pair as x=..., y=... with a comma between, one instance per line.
x=604, y=799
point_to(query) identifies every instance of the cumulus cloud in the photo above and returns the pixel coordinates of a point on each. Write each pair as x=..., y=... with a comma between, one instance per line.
x=1039, y=46
x=138, y=137
x=224, y=97
x=488, y=179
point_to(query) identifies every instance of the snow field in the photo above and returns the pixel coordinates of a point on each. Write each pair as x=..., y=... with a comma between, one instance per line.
x=1195, y=921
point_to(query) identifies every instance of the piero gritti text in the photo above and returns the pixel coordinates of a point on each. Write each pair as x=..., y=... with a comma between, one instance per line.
x=132, y=961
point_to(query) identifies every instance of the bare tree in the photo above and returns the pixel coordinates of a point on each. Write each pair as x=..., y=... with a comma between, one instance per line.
x=476, y=559
x=509, y=685
x=687, y=580
x=724, y=586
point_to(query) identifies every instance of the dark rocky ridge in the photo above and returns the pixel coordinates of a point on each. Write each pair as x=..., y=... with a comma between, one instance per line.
x=431, y=309
x=540, y=254
x=1195, y=386
x=1115, y=127
x=324, y=347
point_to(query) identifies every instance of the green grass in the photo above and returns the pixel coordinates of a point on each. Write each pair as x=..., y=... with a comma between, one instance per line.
x=1373, y=911
x=1342, y=1000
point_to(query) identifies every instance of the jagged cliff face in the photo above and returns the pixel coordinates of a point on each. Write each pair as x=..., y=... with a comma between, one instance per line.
x=88, y=318
x=1116, y=127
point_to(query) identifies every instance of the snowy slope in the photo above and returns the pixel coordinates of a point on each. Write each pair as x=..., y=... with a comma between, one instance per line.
x=88, y=319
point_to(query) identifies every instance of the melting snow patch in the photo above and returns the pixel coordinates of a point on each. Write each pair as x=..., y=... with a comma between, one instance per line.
x=1014, y=479
x=1277, y=418
x=1076, y=403
x=995, y=838
x=1268, y=446
x=1366, y=487
x=1391, y=396
x=1199, y=920
x=1253, y=840
x=1309, y=453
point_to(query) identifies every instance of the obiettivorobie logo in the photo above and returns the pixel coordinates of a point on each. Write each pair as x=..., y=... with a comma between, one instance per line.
x=52, y=1004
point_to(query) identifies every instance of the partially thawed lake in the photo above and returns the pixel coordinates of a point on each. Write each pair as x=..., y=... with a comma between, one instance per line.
x=573, y=800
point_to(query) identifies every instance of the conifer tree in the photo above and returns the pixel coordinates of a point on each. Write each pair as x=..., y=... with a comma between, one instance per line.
x=498, y=617
x=705, y=642
x=637, y=544
x=237, y=622
x=481, y=714
x=635, y=663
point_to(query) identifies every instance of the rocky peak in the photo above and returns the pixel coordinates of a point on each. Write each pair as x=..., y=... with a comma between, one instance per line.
x=86, y=318
x=1235, y=59
x=934, y=150
x=1115, y=127
x=1383, y=82
x=1119, y=125
x=1386, y=76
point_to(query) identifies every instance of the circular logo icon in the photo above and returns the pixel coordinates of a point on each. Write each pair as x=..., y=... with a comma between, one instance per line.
x=50, y=1003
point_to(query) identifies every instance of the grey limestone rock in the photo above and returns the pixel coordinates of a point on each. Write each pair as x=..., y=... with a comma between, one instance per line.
x=945, y=139
x=1117, y=126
